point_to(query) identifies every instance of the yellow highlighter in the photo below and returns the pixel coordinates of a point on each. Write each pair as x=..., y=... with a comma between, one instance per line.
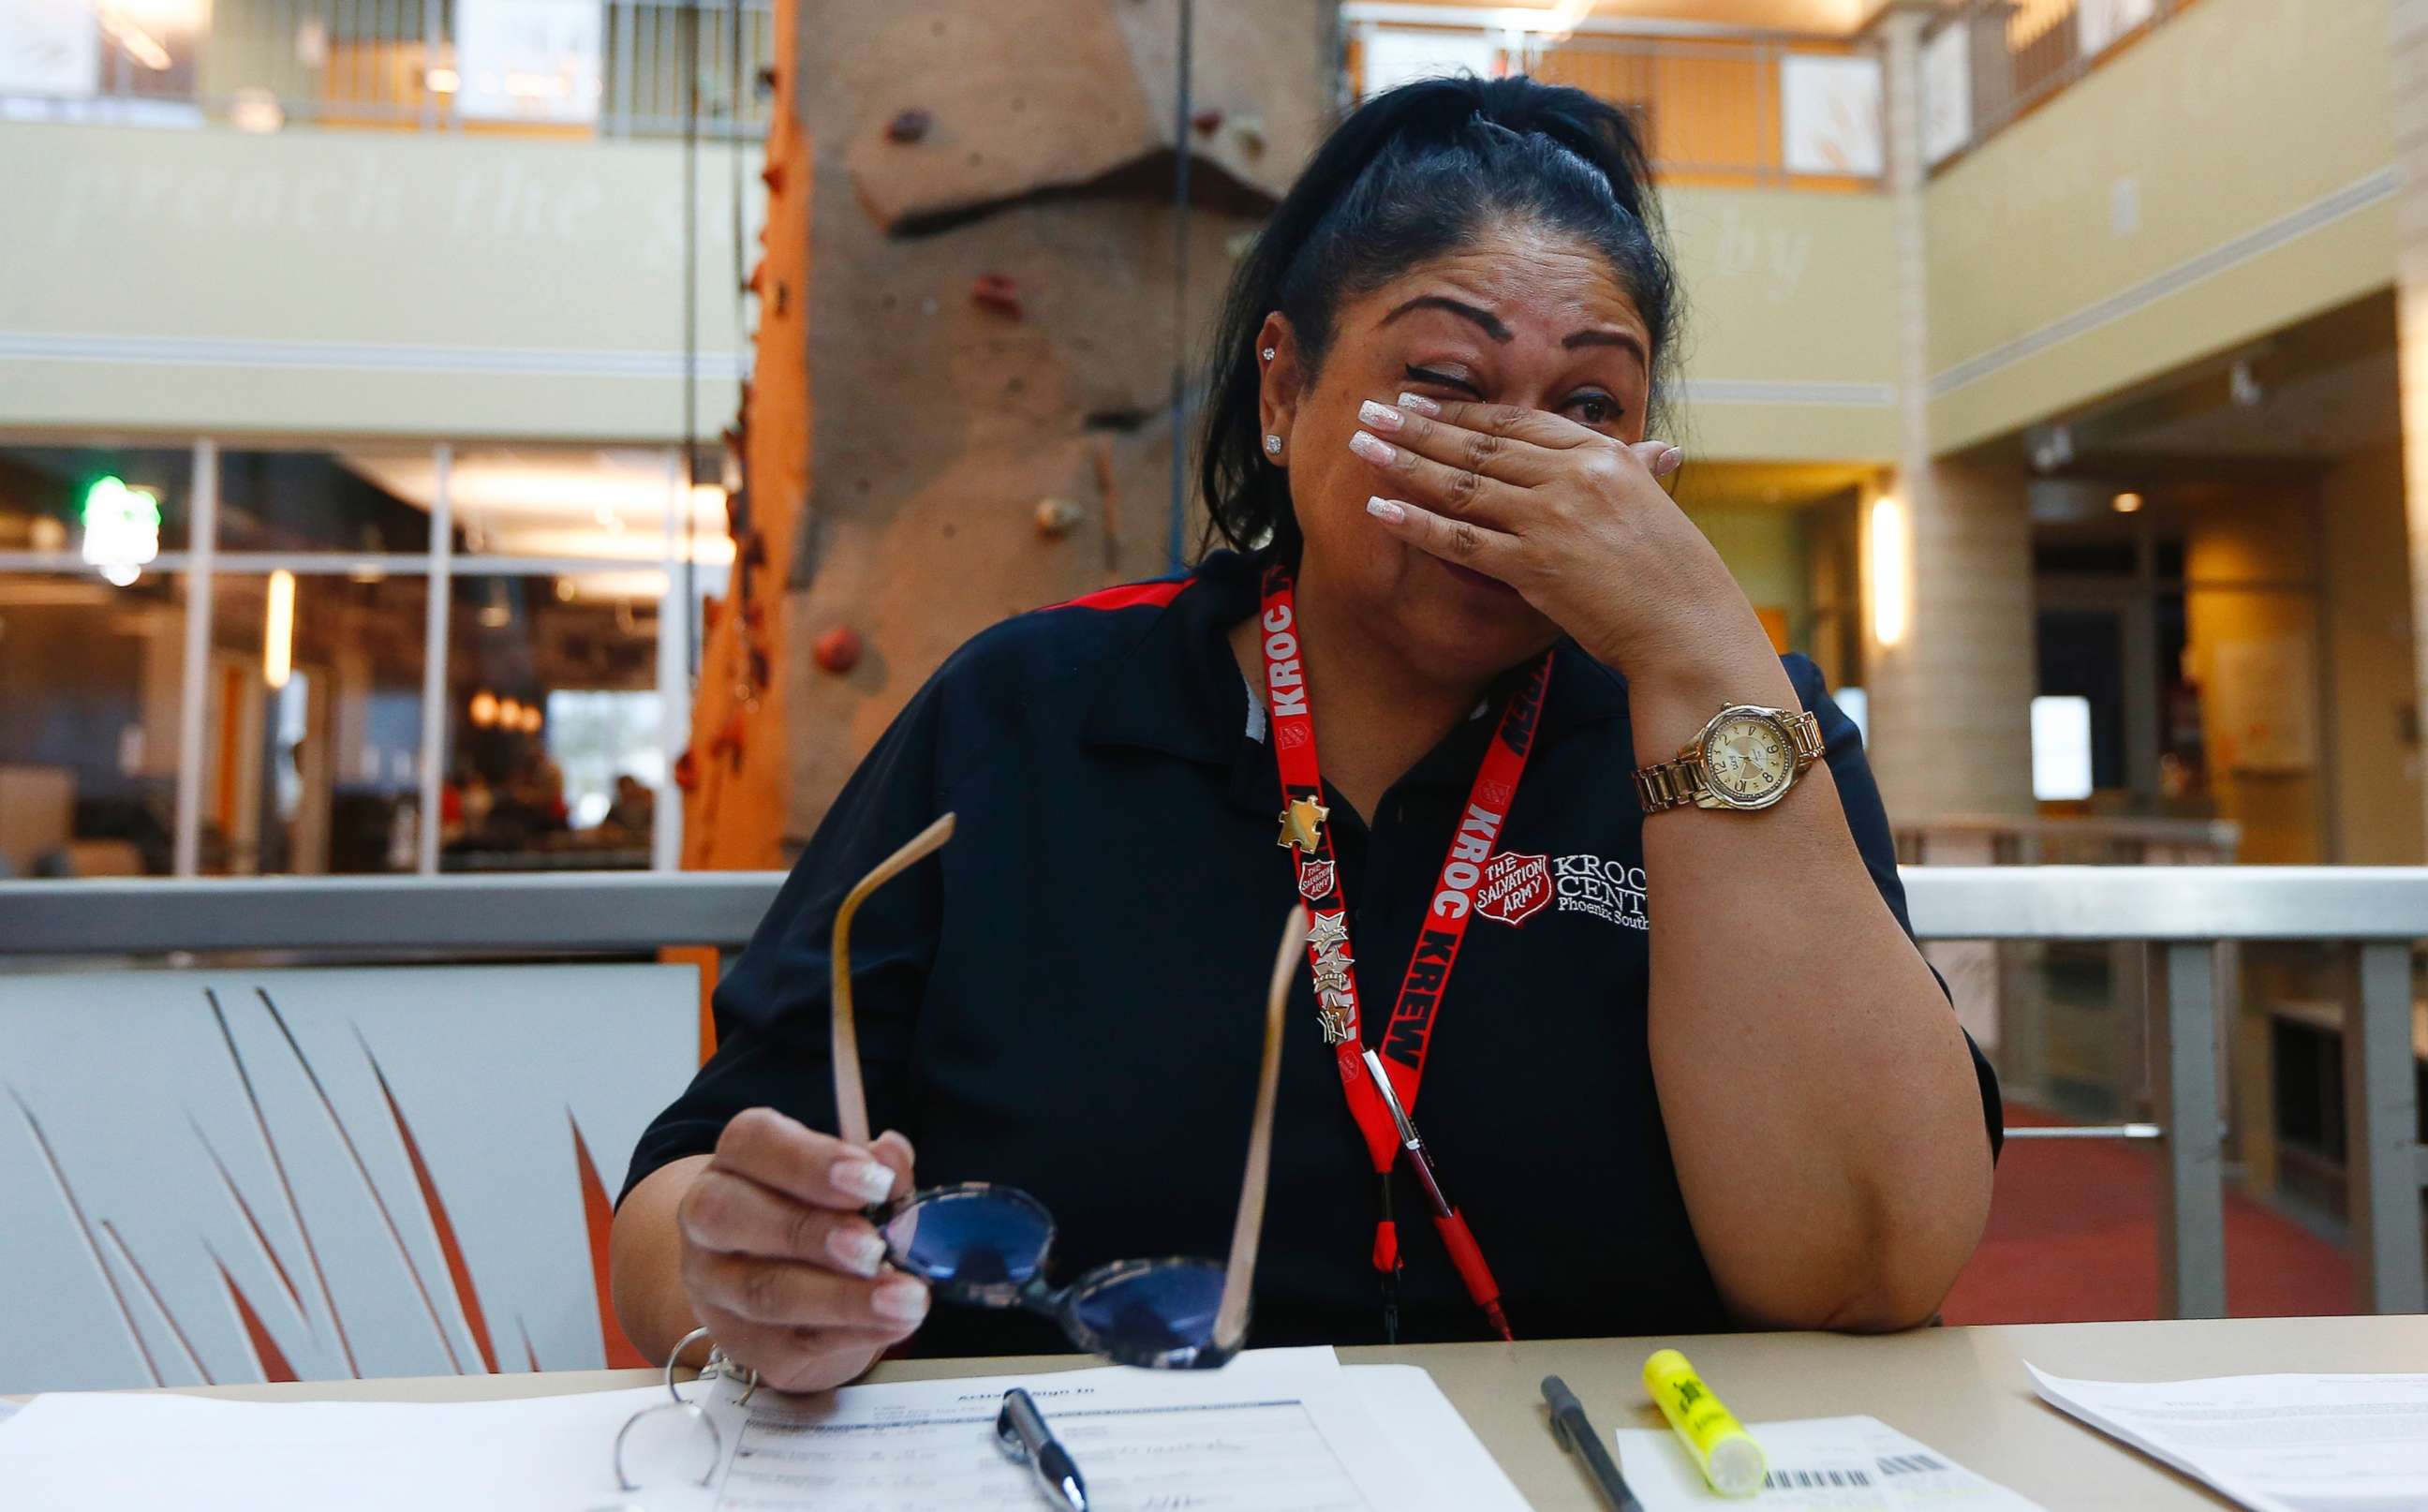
x=1726, y=1453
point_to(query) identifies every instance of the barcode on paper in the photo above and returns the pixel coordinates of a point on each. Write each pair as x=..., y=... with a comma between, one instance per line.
x=1909, y=1464
x=1809, y=1480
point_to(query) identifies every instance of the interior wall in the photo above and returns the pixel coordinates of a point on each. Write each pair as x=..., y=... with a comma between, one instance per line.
x=2252, y=564
x=2228, y=174
x=2373, y=730
x=389, y=283
x=1765, y=549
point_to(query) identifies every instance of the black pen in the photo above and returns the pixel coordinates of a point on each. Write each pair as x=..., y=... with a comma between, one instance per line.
x=1021, y=1433
x=1569, y=1425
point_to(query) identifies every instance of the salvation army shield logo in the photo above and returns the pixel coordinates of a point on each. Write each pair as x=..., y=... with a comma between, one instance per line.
x=1513, y=887
x=1315, y=880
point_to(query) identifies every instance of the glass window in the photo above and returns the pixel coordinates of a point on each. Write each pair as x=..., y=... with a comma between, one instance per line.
x=88, y=676
x=555, y=736
x=372, y=502
x=312, y=740
x=62, y=498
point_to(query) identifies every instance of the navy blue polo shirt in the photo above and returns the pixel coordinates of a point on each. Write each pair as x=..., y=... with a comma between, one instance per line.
x=1070, y=998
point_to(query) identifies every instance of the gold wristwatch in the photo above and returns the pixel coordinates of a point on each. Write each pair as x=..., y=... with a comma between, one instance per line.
x=1747, y=757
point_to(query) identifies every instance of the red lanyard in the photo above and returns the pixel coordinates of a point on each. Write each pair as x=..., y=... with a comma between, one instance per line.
x=1408, y=1035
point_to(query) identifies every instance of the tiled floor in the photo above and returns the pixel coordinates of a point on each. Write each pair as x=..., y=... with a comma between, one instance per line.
x=2073, y=1238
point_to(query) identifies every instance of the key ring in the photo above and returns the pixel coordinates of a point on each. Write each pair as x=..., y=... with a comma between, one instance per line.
x=719, y=1367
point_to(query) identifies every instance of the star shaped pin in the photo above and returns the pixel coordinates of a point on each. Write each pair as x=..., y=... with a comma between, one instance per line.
x=1333, y=972
x=1302, y=824
x=1329, y=931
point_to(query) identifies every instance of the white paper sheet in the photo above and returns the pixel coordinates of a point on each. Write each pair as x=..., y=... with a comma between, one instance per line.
x=1827, y=1464
x=1277, y=1431
x=2274, y=1443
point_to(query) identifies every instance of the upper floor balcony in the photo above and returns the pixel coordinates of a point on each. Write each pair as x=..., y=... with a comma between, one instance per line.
x=571, y=68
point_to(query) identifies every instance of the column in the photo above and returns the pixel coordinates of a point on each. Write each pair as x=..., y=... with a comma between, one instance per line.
x=1947, y=548
x=2407, y=50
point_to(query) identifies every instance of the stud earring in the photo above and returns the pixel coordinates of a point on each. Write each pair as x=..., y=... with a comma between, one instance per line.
x=1269, y=354
x=1272, y=446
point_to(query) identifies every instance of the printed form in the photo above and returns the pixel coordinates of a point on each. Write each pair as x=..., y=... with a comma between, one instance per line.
x=2274, y=1443
x=1817, y=1465
x=1278, y=1431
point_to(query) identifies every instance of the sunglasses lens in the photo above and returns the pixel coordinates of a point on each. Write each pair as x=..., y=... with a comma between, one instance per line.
x=1161, y=1316
x=979, y=1245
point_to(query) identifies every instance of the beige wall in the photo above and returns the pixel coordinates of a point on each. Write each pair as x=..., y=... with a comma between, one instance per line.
x=2254, y=135
x=427, y=284
x=1765, y=549
x=2373, y=731
x=415, y=283
x=2252, y=564
x=1788, y=341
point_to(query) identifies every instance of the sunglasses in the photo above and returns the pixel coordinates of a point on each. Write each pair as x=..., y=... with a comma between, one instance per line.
x=986, y=1245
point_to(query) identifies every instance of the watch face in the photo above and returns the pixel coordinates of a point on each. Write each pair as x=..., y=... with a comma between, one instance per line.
x=1748, y=760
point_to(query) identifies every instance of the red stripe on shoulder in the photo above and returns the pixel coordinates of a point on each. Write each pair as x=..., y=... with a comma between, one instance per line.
x=1129, y=595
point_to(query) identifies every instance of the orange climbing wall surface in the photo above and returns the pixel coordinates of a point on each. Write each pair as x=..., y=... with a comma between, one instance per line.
x=734, y=797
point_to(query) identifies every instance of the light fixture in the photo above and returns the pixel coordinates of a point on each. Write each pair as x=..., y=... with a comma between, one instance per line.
x=2127, y=504
x=278, y=630
x=484, y=709
x=564, y=590
x=442, y=81
x=710, y=495
x=531, y=718
x=1891, y=587
x=122, y=529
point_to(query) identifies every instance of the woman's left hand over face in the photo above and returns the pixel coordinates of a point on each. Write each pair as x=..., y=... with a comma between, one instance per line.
x=1573, y=519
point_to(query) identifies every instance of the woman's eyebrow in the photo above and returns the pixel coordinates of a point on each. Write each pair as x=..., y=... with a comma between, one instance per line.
x=1485, y=320
x=1606, y=338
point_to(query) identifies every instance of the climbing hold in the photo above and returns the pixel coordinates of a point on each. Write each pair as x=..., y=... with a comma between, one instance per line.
x=1208, y=120
x=997, y=292
x=773, y=176
x=908, y=127
x=1057, y=516
x=837, y=650
x=1250, y=130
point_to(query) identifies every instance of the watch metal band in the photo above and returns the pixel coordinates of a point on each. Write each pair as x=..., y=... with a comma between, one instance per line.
x=1676, y=783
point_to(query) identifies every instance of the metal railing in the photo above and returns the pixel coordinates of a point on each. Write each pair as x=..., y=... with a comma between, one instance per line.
x=628, y=69
x=2013, y=54
x=1708, y=98
x=2186, y=915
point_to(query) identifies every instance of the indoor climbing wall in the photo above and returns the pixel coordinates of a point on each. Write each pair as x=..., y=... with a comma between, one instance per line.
x=997, y=278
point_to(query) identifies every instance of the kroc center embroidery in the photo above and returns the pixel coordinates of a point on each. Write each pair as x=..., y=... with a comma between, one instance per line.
x=1609, y=890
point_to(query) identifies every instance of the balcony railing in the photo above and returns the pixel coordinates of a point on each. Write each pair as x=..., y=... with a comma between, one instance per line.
x=1717, y=105
x=1993, y=61
x=2186, y=918
x=607, y=67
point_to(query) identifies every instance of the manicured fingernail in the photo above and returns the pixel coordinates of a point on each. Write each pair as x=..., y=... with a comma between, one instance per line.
x=1385, y=511
x=865, y=1180
x=1667, y=463
x=1418, y=405
x=858, y=1250
x=1381, y=417
x=1377, y=451
x=904, y=1301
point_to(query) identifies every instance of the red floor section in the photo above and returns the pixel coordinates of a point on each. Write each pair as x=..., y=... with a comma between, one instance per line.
x=2073, y=1238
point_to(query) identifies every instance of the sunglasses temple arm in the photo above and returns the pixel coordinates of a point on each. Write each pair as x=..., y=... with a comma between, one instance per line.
x=851, y=1097
x=1239, y=1281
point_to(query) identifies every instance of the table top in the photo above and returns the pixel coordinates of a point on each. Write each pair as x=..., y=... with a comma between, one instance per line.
x=1963, y=1391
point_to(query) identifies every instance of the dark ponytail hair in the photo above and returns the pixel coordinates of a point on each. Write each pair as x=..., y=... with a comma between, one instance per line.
x=1414, y=173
